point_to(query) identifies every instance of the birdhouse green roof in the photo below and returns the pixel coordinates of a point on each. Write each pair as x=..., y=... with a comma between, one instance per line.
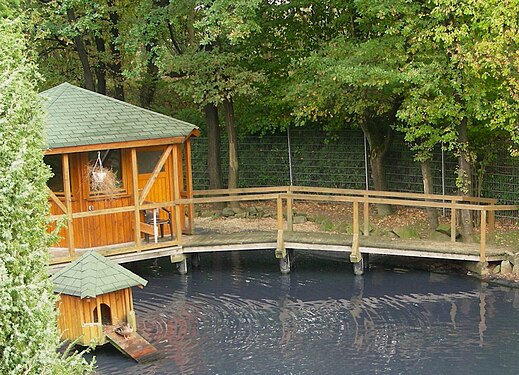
x=92, y=275
x=79, y=117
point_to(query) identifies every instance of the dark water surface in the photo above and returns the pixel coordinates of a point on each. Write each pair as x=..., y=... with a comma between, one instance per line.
x=237, y=314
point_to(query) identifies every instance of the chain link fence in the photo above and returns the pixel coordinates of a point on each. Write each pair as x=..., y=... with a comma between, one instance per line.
x=339, y=161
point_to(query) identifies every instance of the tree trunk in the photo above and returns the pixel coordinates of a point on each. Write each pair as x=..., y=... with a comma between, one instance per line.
x=214, y=167
x=116, y=66
x=82, y=54
x=149, y=82
x=232, y=181
x=101, y=66
x=380, y=137
x=432, y=213
x=465, y=177
x=378, y=174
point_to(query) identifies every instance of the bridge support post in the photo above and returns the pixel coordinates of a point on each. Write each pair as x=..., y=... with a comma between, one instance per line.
x=355, y=257
x=281, y=251
x=285, y=263
x=195, y=260
x=280, y=245
x=180, y=261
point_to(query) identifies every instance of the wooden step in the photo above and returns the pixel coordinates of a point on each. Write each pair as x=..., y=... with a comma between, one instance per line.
x=134, y=346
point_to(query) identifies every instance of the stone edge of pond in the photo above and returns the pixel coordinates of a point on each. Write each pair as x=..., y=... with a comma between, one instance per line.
x=469, y=269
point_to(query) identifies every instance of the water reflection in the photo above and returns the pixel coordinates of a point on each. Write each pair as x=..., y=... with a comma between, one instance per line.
x=237, y=314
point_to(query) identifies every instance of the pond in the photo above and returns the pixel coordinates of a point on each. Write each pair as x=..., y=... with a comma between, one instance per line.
x=236, y=314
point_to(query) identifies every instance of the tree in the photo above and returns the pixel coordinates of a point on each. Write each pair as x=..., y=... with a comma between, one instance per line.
x=88, y=33
x=354, y=79
x=461, y=81
x=29, y=337
x=210, y=68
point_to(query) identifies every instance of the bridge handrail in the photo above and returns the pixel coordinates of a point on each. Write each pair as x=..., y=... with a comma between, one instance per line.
x=485, y=206
x=337, y=191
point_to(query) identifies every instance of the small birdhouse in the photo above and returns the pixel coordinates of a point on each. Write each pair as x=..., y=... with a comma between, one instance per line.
x=95, y=299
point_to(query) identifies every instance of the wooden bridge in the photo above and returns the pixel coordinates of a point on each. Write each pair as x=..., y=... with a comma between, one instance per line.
x=284, y=238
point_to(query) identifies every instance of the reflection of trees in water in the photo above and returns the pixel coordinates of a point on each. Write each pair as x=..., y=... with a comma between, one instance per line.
x=174, y=330
x=226, y=312
x=387, y=324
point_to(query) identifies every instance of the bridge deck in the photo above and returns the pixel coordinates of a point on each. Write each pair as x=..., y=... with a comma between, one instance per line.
x=340, y=243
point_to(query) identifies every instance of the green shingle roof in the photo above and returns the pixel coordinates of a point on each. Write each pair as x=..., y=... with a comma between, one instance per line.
x=92, y=275
x=79, y=117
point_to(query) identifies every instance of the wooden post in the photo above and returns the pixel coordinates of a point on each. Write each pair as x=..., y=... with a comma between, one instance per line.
x=491, y=224
x=176, y=193
x=136, y=205
x=483, y=240
x=68, y=205
x=290, y=214
x=189, y=187
x=280, y=247
x=453, y=223
x=131, y=319
x=366, y=215
x=355, y=256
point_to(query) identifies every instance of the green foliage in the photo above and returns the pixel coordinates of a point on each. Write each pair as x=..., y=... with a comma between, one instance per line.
x=8, y=7
x=213, y=76
x=460, y=68
x=29, y=338
x=232, y=19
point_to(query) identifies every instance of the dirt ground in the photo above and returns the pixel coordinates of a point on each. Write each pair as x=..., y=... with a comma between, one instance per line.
x=338, y=218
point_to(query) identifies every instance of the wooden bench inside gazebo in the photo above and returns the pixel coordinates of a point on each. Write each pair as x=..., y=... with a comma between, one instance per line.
x=117, y=169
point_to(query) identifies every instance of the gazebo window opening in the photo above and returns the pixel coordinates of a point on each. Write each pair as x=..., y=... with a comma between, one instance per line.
x=55, y=183
x=146, y=160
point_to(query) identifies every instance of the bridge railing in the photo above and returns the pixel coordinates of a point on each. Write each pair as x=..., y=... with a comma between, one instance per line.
x=484, y=207
x=284, y=198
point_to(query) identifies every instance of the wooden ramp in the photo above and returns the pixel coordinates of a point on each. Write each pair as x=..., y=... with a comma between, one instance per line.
x=135, y=346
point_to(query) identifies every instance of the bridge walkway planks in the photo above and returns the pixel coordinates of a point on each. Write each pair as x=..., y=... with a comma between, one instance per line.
x=266, y=240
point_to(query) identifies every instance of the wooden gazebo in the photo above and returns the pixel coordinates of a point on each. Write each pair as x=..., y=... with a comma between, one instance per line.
x=149, y=155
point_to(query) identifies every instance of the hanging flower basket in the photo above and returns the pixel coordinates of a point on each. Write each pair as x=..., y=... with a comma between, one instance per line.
x=103, y=181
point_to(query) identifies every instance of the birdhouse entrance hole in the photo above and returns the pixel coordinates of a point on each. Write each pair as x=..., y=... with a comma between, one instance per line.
x=106, y=315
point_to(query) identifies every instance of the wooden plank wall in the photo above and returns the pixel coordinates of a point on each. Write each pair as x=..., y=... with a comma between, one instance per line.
x=117, y=228
x=107, y=229
x=75, y=315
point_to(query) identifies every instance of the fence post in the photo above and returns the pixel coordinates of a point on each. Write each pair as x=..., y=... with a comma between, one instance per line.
x=453, y=222
x=483, y=240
